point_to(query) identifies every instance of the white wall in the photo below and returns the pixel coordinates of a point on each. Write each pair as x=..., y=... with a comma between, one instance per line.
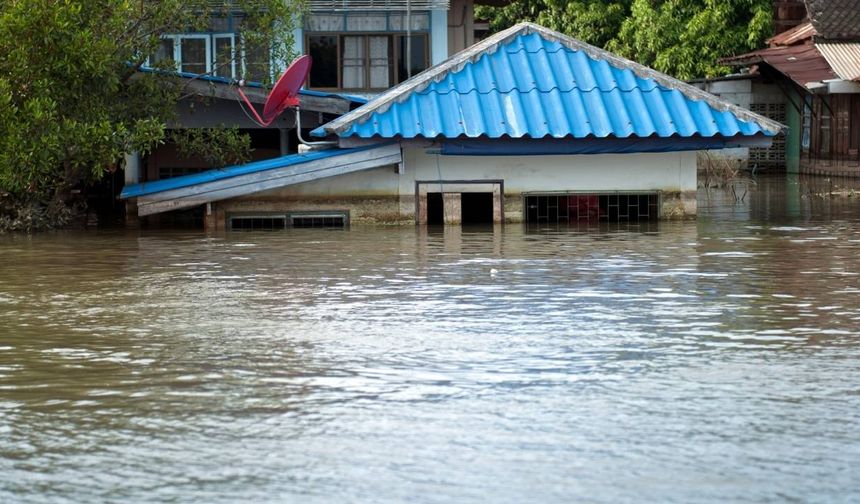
x=670, y=172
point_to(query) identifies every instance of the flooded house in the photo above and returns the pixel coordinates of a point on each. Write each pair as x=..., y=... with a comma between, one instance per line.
x=807, y=77
x=528, y=125
x=364, y=47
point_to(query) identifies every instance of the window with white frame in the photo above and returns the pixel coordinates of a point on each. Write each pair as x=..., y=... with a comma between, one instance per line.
x=224, y=55
x=218, y=54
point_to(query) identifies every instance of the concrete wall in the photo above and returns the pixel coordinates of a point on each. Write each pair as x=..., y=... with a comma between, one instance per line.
x=383, y=195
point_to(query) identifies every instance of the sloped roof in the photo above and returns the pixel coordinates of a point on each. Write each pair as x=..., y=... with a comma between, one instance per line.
x=803, y=64
x=168, y=184
x=801, y=32
x=233, y=181
x=835, y=19
x=529, y=81
x=843, y=57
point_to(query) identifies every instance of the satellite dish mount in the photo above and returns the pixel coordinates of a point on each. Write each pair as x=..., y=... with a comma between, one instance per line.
x=284, y=95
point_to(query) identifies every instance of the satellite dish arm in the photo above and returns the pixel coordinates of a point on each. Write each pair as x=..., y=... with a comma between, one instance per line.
x=299, y=132
x=259, y=119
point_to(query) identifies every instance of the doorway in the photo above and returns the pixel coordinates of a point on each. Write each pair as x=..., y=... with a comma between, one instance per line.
x=435, y=209
x=454, y=202
x=477, y=208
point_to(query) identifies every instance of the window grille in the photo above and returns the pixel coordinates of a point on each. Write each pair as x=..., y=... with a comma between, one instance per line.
x=318, y=221
x=590, y=207
x=277, y=222
x=773, y=156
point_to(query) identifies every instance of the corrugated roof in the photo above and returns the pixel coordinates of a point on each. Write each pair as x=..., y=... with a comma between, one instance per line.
x=844, y=58
x=237, y=181
x=797, y=34
x=803, y=64
x=156, y=186
x=529, y=81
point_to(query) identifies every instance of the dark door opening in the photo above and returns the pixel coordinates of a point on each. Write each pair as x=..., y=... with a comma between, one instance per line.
x=477, y=208
x=435, y=209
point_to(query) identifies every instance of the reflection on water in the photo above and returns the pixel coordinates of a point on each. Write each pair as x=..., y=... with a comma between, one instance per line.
x=713, y=360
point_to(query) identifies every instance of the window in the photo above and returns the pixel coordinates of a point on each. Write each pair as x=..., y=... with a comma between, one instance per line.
x=217, y=53
x=334, y=220
x=824, y=138
x=418, y=60
x=165, y=53
x=367, y=61
x=255, y=58
x=590, y=207
x=194, y=54
x=225, y=55
x=275, y=222
x=323, y=50
x=257, y=223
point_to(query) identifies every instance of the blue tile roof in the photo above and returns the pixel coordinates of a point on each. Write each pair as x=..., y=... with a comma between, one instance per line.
x=531, y=82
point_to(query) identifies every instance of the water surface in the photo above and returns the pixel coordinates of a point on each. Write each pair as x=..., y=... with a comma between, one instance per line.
x=707, y=361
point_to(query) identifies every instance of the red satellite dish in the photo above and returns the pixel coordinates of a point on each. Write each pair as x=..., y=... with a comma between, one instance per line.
x=285, y=93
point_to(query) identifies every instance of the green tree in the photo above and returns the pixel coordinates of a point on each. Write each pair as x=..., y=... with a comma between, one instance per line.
x=683, y=38
x=72, y=100
x=592, y=21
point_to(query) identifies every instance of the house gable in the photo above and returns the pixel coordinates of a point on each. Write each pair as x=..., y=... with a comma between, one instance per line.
x=531, y=82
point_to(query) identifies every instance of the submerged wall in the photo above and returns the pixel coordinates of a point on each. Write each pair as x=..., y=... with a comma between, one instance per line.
x=751, y=93
x=387, y=195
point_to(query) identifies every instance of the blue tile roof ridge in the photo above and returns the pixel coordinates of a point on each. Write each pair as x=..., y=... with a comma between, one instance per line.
x=490, y=45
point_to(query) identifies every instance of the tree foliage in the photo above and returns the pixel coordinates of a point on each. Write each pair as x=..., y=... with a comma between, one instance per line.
x=593, y=21
x=72, y=100
x=683, y=38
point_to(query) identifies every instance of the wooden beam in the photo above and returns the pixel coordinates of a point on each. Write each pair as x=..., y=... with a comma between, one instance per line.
x=325, y=104
x=251, y=183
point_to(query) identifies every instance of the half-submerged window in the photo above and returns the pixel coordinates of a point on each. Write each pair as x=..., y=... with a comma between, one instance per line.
x=276, y=222
x=258, y=223
x=332, y=220
x=590, y=207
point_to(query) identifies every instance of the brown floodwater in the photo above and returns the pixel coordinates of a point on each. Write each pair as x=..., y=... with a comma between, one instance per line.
x=706, y=361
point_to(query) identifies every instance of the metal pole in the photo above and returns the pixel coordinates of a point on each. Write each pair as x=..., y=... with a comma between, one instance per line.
x=409, y=39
